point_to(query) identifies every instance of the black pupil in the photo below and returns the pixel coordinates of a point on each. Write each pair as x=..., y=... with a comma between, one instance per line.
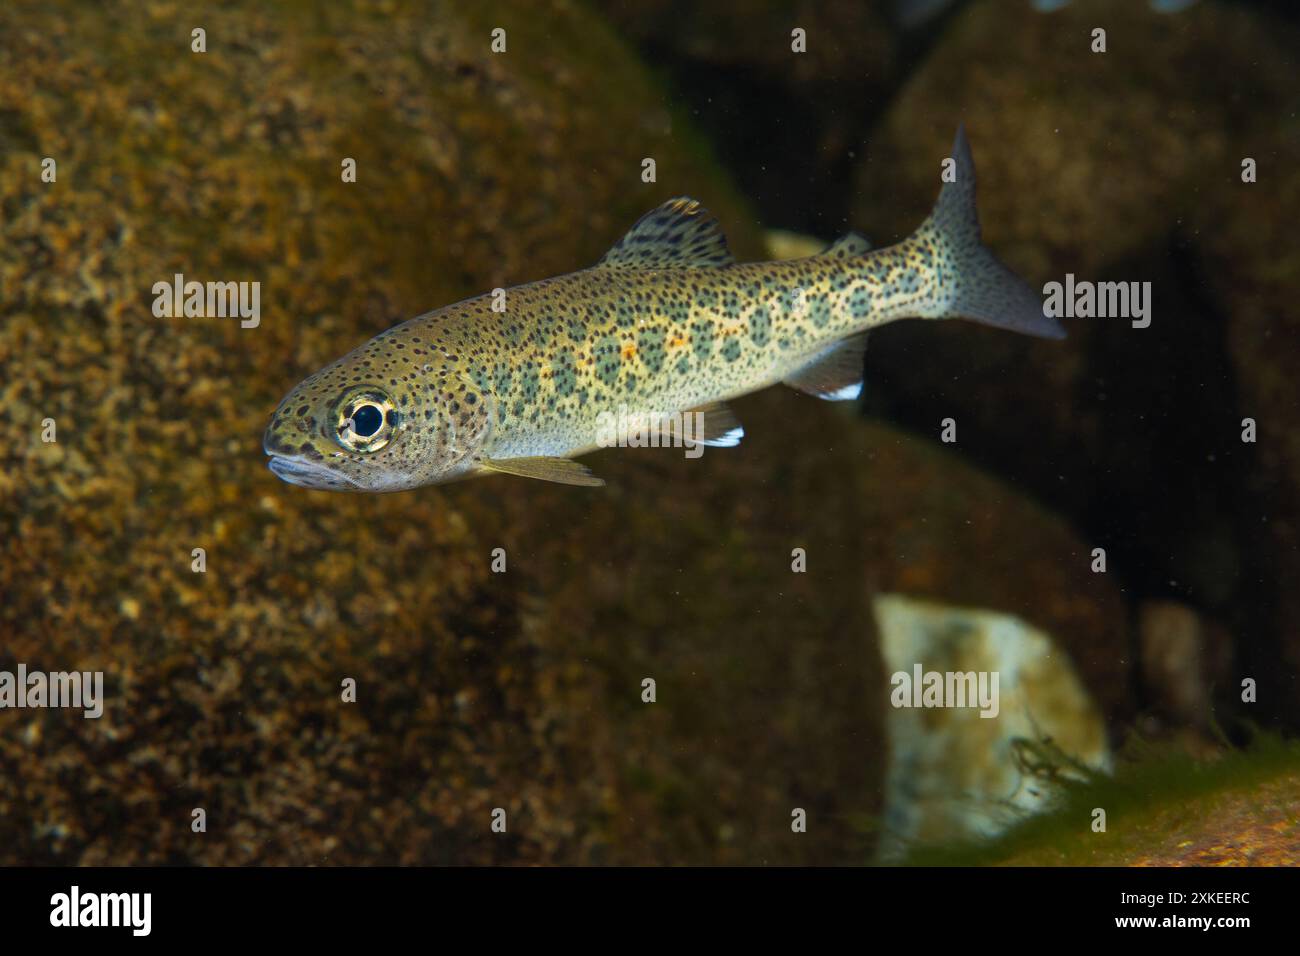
x=366, y=420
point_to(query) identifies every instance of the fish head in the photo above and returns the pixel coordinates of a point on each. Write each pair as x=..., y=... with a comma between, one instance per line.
x=365, y=425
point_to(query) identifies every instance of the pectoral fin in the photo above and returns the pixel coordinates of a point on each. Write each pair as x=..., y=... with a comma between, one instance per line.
x=564, y=471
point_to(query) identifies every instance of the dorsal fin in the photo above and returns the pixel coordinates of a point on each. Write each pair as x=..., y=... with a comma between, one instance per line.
x=848, y=246
x=678, y=234
x=836, y=374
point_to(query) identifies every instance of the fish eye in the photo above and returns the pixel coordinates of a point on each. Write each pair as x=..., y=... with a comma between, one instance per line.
x=366, y=421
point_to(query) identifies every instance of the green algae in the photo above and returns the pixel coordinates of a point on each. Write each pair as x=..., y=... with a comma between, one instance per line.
x=1156, y=792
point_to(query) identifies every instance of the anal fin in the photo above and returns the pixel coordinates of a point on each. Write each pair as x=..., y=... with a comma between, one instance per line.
x=836, y=374
x=719, y=428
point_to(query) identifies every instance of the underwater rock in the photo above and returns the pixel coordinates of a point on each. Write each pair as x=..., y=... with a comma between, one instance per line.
x=971, y=761
x=781, y=244
x=1251, y=261
x=776, y=116
x=473, y=169
x=1085, y=159
x=1186, y=663
x=847, y=40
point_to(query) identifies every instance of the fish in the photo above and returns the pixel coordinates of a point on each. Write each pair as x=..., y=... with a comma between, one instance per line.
x=519, y=381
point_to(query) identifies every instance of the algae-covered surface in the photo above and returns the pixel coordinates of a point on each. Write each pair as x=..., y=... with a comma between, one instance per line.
x=1239, y=807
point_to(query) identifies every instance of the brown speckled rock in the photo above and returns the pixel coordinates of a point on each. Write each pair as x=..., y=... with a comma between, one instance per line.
x=474, y=170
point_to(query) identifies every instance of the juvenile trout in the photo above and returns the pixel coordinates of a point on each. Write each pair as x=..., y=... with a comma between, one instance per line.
x=666, y=322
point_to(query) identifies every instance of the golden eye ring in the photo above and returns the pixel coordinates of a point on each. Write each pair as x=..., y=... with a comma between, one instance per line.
x=366, y=421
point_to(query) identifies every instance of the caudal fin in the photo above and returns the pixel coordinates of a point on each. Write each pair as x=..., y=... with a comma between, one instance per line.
x=975, y=284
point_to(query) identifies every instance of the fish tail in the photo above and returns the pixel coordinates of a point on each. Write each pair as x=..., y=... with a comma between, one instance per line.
x=974, y=284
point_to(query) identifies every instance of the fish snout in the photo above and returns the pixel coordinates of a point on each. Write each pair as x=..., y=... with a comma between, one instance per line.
x=280, y=439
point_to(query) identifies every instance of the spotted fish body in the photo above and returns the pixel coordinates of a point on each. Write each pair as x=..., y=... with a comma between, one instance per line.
x=665, y=322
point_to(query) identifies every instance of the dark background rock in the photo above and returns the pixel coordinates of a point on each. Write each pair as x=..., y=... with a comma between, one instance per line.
x=1100, y=165
x=789, y=125
x=1251, y=262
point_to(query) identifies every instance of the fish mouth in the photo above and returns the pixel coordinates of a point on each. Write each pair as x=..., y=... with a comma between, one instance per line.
x=308, y=474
